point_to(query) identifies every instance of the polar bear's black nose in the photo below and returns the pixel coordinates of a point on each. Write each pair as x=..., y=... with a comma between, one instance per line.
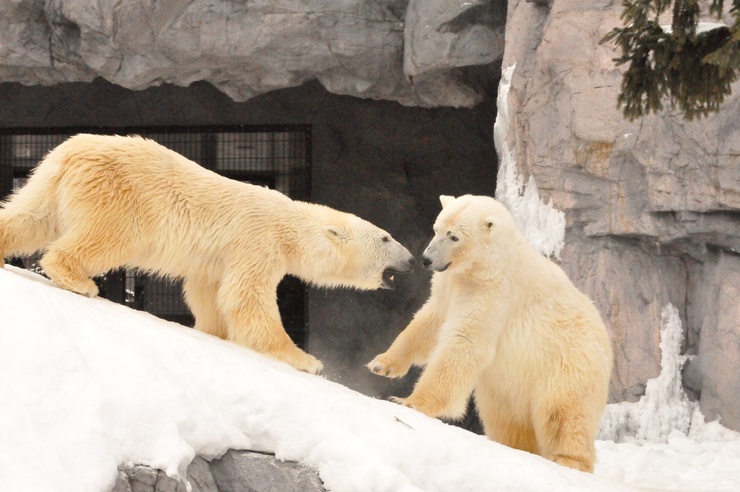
x=426, y=261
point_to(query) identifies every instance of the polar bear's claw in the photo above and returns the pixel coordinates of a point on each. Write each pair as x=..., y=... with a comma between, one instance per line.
x=400, y=401
x=382, y=365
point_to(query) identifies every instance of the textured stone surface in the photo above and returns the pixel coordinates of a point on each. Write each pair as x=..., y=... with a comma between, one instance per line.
x=353, y=47
x=236, y=471
x=442, y=35
x=140, y=478
x=200, y=476
x=652, y=206
x=244, y=471
x=630, y=283
x=713, y=308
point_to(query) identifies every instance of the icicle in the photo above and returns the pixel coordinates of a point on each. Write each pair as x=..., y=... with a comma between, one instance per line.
x=540, y=223
x=665, y=407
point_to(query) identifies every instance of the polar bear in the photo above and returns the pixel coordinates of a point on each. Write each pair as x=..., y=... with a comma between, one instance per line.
x=100, y=202
x=505, y=323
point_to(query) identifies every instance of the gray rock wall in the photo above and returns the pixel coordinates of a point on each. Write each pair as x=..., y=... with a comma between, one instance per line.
x=442, y=35
x=236, y=471
x=352, y=47
x=652, y=207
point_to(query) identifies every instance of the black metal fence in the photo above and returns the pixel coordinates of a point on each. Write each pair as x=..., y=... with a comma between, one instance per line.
x=275, y=156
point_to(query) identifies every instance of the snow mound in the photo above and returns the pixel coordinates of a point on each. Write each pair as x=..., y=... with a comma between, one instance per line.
x=88, y=385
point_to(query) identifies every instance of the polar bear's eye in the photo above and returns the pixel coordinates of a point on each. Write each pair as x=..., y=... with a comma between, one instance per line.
x=455, y=238
x=385, y=239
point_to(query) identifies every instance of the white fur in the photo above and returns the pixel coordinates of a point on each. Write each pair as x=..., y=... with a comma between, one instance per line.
x=101, y=202
x=505, y=323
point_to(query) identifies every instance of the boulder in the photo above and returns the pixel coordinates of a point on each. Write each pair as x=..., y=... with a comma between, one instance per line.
x=236, y=471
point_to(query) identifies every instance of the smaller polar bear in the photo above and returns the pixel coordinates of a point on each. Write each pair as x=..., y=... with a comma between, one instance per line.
x=506, y=324
x=100, y=202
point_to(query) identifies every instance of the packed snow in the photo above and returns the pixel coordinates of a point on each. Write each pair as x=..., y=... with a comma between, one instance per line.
x=88, y=385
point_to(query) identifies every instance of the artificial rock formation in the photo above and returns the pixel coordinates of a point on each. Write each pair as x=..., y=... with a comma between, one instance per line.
x=652, y=206
x=236, y=471
x=353, y=47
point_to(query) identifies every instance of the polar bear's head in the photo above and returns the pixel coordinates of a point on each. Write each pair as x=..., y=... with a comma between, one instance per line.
x=468, y=229
x=372, y=258
x=352, y=252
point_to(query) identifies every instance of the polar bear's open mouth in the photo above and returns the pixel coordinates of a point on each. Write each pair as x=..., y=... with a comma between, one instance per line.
x=389, y=278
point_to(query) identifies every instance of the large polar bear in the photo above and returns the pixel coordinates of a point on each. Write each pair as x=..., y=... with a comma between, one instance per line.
x=100, y=202
x=506, y=324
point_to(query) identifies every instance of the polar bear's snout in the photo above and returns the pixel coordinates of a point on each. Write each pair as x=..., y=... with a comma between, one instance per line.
x=402, y=266
x=435, y=257
x=408, y=265
x=430, y=265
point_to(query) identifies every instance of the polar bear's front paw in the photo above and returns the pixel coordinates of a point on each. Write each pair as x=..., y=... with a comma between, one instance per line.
x=84, y=287
x=300, y=360
x=399, y=400
x=383, y=365
x=311, y=365
x=426, y=406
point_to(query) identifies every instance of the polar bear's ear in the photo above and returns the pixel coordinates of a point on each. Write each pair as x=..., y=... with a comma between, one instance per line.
x=446, y=200
x=489, y=223
x=336, y=233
